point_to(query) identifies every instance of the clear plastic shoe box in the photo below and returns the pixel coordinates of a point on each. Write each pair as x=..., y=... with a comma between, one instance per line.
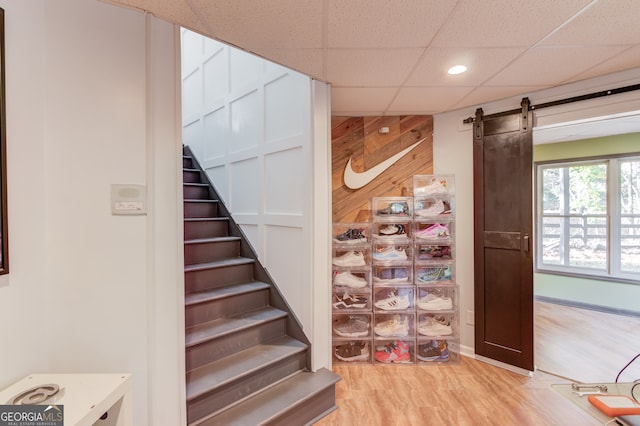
x=351, y=235
x=434, y=207
x=391, y=232
x=394, y=324
x=442, y=272
x=393, y=298
x=437, y=351
x=352, y=350
x=428, y=252
x=352, y=325
x=389, y=209
x=437, y=325
x=437, y=298
x=433, y=185
x=351, y=256
x=394, y=351
x=352, y=278
x=392, y=253
x=351, y=300
x=398, y=274
x=433, y=231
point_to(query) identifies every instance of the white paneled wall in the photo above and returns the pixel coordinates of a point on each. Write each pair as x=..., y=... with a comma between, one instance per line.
x=250, y=123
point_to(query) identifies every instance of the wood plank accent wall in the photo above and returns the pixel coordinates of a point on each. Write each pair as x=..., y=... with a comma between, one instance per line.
x=358, y=138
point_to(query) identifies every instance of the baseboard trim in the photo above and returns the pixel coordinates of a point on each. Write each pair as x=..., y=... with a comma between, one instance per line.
x=599, y=308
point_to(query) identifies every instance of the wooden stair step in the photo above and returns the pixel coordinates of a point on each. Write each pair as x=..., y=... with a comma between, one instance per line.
x=212, y=240
x=273, y=403
x=222, y=263
x=223, y=326
x=218, y=373
x=224, y=292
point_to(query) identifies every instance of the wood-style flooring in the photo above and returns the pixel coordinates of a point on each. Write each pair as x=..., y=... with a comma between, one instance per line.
x=475, y=393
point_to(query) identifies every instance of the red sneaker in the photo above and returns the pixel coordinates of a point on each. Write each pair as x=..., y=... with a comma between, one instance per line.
x=396, y=351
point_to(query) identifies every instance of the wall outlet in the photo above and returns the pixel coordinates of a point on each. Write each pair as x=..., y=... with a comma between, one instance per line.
x=470, y=317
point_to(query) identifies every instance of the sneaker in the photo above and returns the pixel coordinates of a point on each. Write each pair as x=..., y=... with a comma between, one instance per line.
x=439, y=207
x=353, y=351
x=396, y=209
x=440, y=273
x=347, y=279
x=353, y=327
x=393, y=302
x=396, y=351
x=434, y=302
x=398, y=326
x=434, y=326
x=390, y=254
x=351, y=236
x=432, y=188
x=432, y=252
x=437, y=230
x=347, y=301
x=391, y=275
x=390, y=230
x=434, y=351
x=350, y=258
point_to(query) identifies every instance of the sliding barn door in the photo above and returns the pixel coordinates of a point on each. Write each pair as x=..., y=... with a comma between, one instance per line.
x=502, y=159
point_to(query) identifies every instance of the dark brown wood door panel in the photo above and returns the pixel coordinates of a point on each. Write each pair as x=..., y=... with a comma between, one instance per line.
x=503, y=225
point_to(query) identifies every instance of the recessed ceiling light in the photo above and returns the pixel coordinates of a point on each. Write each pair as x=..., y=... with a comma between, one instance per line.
x=457, y=69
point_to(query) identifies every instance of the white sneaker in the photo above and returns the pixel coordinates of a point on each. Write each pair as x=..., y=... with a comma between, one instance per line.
x=433, y=302
x=350, y=258
x=398, y=326
x=433, y=210
x=347, y=279
x=434, y=326
x=393, y=303
x=433, y=187
x=390, y=254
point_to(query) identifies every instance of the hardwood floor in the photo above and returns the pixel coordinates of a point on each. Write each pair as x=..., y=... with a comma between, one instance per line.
x=585, y=345
x=475, y=393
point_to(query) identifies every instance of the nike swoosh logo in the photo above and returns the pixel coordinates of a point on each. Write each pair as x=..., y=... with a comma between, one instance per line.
x=355, y=180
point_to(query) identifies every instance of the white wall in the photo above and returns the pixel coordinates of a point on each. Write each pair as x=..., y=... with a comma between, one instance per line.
x=250, y=123
x=453, y=153
x=91, y=101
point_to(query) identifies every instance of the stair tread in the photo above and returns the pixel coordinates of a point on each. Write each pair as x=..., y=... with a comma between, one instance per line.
x=218, y=373
x=222, y=326
x=224, y=292
x=198, y=200
x=204, y=219
x=196, y=184
x=218, y=263
x=272, y=402
x=212, y=239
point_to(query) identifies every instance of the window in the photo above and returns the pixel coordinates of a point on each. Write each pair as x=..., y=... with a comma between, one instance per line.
x=588, y=220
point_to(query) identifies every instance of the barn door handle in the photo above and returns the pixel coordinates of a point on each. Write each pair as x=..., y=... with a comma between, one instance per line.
x=526, y=243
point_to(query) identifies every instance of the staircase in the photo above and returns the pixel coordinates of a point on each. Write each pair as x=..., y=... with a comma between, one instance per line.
x=247, y=359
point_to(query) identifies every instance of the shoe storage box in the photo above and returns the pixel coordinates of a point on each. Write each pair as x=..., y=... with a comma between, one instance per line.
x=352, y=300
x=437, y=298
x=433, y=231
x=392, y=253
x=398, y=324
x=352, y=326
x=441, y=324
x=392, y=274
x=350, y=257
x=352, y=351
x=433, y=185
x=389, y=209
x=437, y=351
x=424, y=251
x=351, y=234
x=352, y=278
x=394, y=351
x=391, y=232
x=434, y=207
x=434, y=273
x=393, y=298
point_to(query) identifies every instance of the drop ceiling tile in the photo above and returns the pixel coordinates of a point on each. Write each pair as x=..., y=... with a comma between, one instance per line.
x=482, y=63
x=360, y=100
x=427, y=100
x=486, y=94
x=169, y=10
x=370, y=67
x=306, y=61
x=627, y=59
x=383, y=23
x=604, y=23
x=560, y=65
x=505, y=22
x=274, y=24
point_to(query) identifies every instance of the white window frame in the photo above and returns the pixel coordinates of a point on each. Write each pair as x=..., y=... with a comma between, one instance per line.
x=613, y=269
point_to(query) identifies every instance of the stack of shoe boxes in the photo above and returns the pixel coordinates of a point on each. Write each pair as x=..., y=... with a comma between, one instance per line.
x=352, y=314
x=395, y=298
x=393, y=290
